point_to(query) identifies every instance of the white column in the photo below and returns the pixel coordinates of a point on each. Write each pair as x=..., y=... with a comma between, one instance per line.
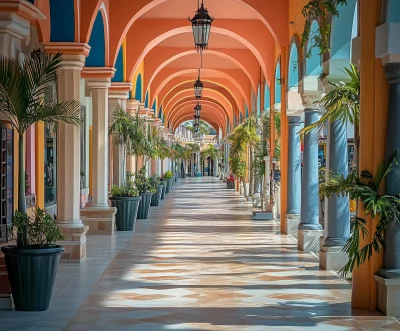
x=117, y=96
x=267, y=185
x=99, y=81
x=68, y=177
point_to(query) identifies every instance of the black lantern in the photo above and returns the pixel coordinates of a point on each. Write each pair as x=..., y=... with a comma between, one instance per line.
x=197, y=110
x=201, y=26
x=196, y=121
x=198, y=87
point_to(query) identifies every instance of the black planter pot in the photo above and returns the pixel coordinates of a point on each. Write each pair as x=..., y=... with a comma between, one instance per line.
x=155, y=199
x=169, y=185
x=144, y=206
x=32, y=273
x=164, y=190
x=127, y=209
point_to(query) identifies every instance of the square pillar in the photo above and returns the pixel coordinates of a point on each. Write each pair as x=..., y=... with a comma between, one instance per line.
x=99, y=216
x=117, y=97
x=68, y=176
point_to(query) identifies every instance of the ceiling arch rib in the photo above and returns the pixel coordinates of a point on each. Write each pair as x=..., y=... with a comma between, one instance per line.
x=188, y=108
x=233, y=98
x=207, y=117
x=170, y=102
x=160, y=57
x=218, y=108
x=188, y=115
x=234, y=76
x=186, y=101
x=153, y=32
x=272, y=14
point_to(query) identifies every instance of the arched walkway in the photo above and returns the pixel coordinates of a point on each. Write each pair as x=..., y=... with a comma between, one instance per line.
x=198, y=263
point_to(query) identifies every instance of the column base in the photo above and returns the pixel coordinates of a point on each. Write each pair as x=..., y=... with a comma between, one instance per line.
x=309, y=240
x=389, y=296
x=332, y=258
x=100, y=221
x=292, y=224
x=74, y=243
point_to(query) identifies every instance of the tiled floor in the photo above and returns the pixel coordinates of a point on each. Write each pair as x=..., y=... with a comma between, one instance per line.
x=199, y=263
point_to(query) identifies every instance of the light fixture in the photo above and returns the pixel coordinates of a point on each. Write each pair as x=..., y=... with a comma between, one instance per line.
x=197, y=110
x=197, y=121
x=201, y=26
x=198, y=87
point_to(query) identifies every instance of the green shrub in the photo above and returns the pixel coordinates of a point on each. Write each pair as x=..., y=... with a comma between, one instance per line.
x=168, y=175
x=124, y=191
x=38, y=231
x=143, y=183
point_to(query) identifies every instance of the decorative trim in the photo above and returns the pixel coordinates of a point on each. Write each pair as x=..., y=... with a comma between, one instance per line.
x=68, y=48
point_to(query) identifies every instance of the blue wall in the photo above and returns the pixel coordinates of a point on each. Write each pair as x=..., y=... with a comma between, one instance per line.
x=277, y=83
x=160, y=112
x=259, y=101
x=97, y=44
x=393, y=11
x=247, y=111
x=267, y=97
x=119, y=66
x=62, y=21
x=138, y=92
x=313, y=64
x=154, y=107
x=293, y=67
x=342, y=30
x=146, y=100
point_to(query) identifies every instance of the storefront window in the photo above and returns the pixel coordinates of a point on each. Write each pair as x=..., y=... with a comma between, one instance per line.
x=50, y=164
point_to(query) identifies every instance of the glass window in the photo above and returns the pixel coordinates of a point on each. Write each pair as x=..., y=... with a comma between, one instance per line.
x=50, y=164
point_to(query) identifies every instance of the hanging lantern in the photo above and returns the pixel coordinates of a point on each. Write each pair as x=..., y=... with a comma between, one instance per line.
x=198, y=87
x=201, y=26
x=197, y=110
x=197, y=121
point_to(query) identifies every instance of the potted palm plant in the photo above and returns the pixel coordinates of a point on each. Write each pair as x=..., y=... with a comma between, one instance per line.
x=169, y=177
x=146, y=190
x=32, y=265
x=155, y=199
x=26, y=97
x=126, y=199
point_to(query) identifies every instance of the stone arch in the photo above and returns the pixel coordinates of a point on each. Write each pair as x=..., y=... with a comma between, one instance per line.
x=153, y=34
x=156, y=61
x=269, y=12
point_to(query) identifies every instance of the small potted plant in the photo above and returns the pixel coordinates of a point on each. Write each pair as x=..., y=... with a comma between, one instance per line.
x=168, y=176
x=146, y=190
x=126, y=199
x=155, y=199
x=32, y=264
x=164, y=184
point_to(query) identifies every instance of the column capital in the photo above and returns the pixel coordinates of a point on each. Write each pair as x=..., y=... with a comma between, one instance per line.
x=132, y=106
x=294, y=120
x=98, y=77
x=386, y=42
x=11, y=13
x=74, y=54
x=310, y=97
x=119, y=90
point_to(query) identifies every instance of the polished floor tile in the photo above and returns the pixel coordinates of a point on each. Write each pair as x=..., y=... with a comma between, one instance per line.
x=199, y=264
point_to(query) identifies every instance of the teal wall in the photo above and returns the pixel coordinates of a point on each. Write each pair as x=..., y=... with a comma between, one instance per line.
x=277, y=83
